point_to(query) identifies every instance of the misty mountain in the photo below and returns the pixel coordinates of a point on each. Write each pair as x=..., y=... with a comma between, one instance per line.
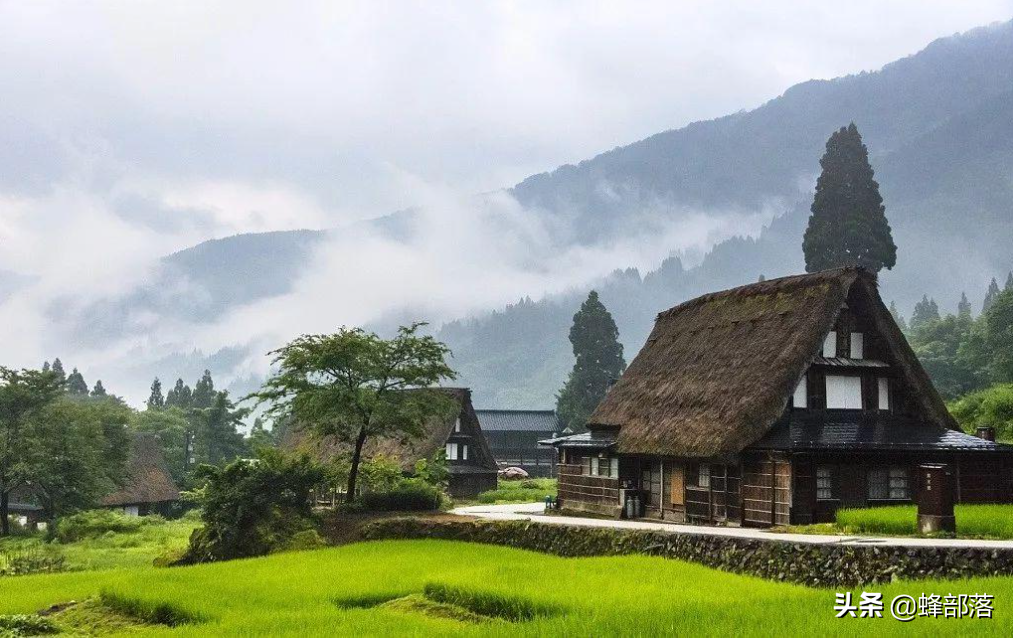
x=939, y=128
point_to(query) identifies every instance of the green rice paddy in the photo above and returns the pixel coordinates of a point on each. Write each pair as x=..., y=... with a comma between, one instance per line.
x=450, y=588
x=973, y=521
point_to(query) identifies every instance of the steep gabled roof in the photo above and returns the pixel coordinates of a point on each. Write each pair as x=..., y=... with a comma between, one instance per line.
x=518, y=420
x=407, y=451
x=717, y=371
x=148, y=479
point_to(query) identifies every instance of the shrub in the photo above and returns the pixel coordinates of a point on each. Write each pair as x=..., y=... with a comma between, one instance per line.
x=95, y=523
x=249, y=508
x=380, y=474
x=31, y=560
x=26, y=625
x=526, y=491
x=412, y=494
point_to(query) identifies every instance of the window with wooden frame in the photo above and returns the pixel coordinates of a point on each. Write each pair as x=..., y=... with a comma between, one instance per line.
x=899, y=483
x=824, y=483
x=892, y=483
x=703, y=475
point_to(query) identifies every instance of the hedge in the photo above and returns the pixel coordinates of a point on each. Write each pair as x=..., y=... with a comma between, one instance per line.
x=818, y=565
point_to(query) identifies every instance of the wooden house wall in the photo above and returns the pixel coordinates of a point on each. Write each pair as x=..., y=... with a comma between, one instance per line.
x=582, y=492
x=766, y=491
x=519, y=448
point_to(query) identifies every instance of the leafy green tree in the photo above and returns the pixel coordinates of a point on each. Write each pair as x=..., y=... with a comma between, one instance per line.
x=848, y=226
x=260, y=437
x=598, y=363
x=991, y=407
x=990, y=295
x=937, y=344
x=899, y=318
x=999, y=336
x=250, y=508
x=76, y=385
x=204, y=392
x=179, y=396
x=99, y=391
x=77, y=453
x=23, y=395
x=926, y=311
x=354, y=385
x=155, y=400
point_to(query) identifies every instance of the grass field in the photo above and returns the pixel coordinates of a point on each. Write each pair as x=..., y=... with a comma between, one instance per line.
x=527, y=491
x=973, y=521
x=448, y=588
x=113, y=550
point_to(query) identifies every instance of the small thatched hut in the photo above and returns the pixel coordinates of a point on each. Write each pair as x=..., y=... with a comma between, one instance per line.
x=470, y=462
x=772, y=403
x=149, y=487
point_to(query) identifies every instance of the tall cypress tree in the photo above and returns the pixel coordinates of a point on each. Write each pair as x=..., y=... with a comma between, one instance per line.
x=57, y=369
x=599, y=362
x=848, y=226
x=926, y=311
x=76, y=384
x=155, y=400
x=179, y=396
x=204, y=392
x=990, y=295
x=964, y=308
x=99, y=390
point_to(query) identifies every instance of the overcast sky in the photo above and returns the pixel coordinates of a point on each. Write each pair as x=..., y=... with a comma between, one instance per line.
x=132, y=129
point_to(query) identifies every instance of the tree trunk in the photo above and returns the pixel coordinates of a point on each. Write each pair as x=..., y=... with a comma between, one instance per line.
x=5, y=519
x=353, y=473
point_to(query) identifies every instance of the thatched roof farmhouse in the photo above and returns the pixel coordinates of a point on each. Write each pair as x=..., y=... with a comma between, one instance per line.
x=773, y=402
x=149, y=487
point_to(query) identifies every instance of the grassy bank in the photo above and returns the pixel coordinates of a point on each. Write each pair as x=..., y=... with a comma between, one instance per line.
x=450, y=588
x=526, y=491
x=973, y=521
x=112, y=550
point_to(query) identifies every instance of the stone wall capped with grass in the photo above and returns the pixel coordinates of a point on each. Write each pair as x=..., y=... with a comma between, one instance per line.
x=803, y=563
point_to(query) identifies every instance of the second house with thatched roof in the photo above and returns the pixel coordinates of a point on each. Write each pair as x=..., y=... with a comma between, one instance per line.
x=148, y=487
x=773, y=403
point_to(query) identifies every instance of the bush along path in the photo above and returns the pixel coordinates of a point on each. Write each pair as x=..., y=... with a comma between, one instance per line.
x=819, y=565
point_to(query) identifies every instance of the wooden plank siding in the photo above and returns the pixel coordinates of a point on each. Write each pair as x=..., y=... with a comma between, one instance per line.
x=581, y=491
x=766, y=491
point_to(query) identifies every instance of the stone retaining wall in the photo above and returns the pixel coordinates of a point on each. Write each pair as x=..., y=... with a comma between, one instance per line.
x=804, y=563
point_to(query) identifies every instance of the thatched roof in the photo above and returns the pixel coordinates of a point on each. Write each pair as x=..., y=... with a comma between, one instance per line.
x=407, y=451
x=718, y=371
x=148, y=479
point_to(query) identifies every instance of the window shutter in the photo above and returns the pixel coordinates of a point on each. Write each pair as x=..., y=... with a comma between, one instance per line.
x=678, y=494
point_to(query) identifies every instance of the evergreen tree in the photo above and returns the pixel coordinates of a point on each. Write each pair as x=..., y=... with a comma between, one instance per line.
x=204, y=392
x=964, y=308
x=99, y=390
x=76, y=384
x=926, y=311
x=155, y=400
x=222, y=440
x=999, y=337
x=599, y=362
x=848, y=226
x=1009, y=281
x=179, y=396
x=990, y=295
x=57, y=369
x=899, y=318
x=46, y=367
